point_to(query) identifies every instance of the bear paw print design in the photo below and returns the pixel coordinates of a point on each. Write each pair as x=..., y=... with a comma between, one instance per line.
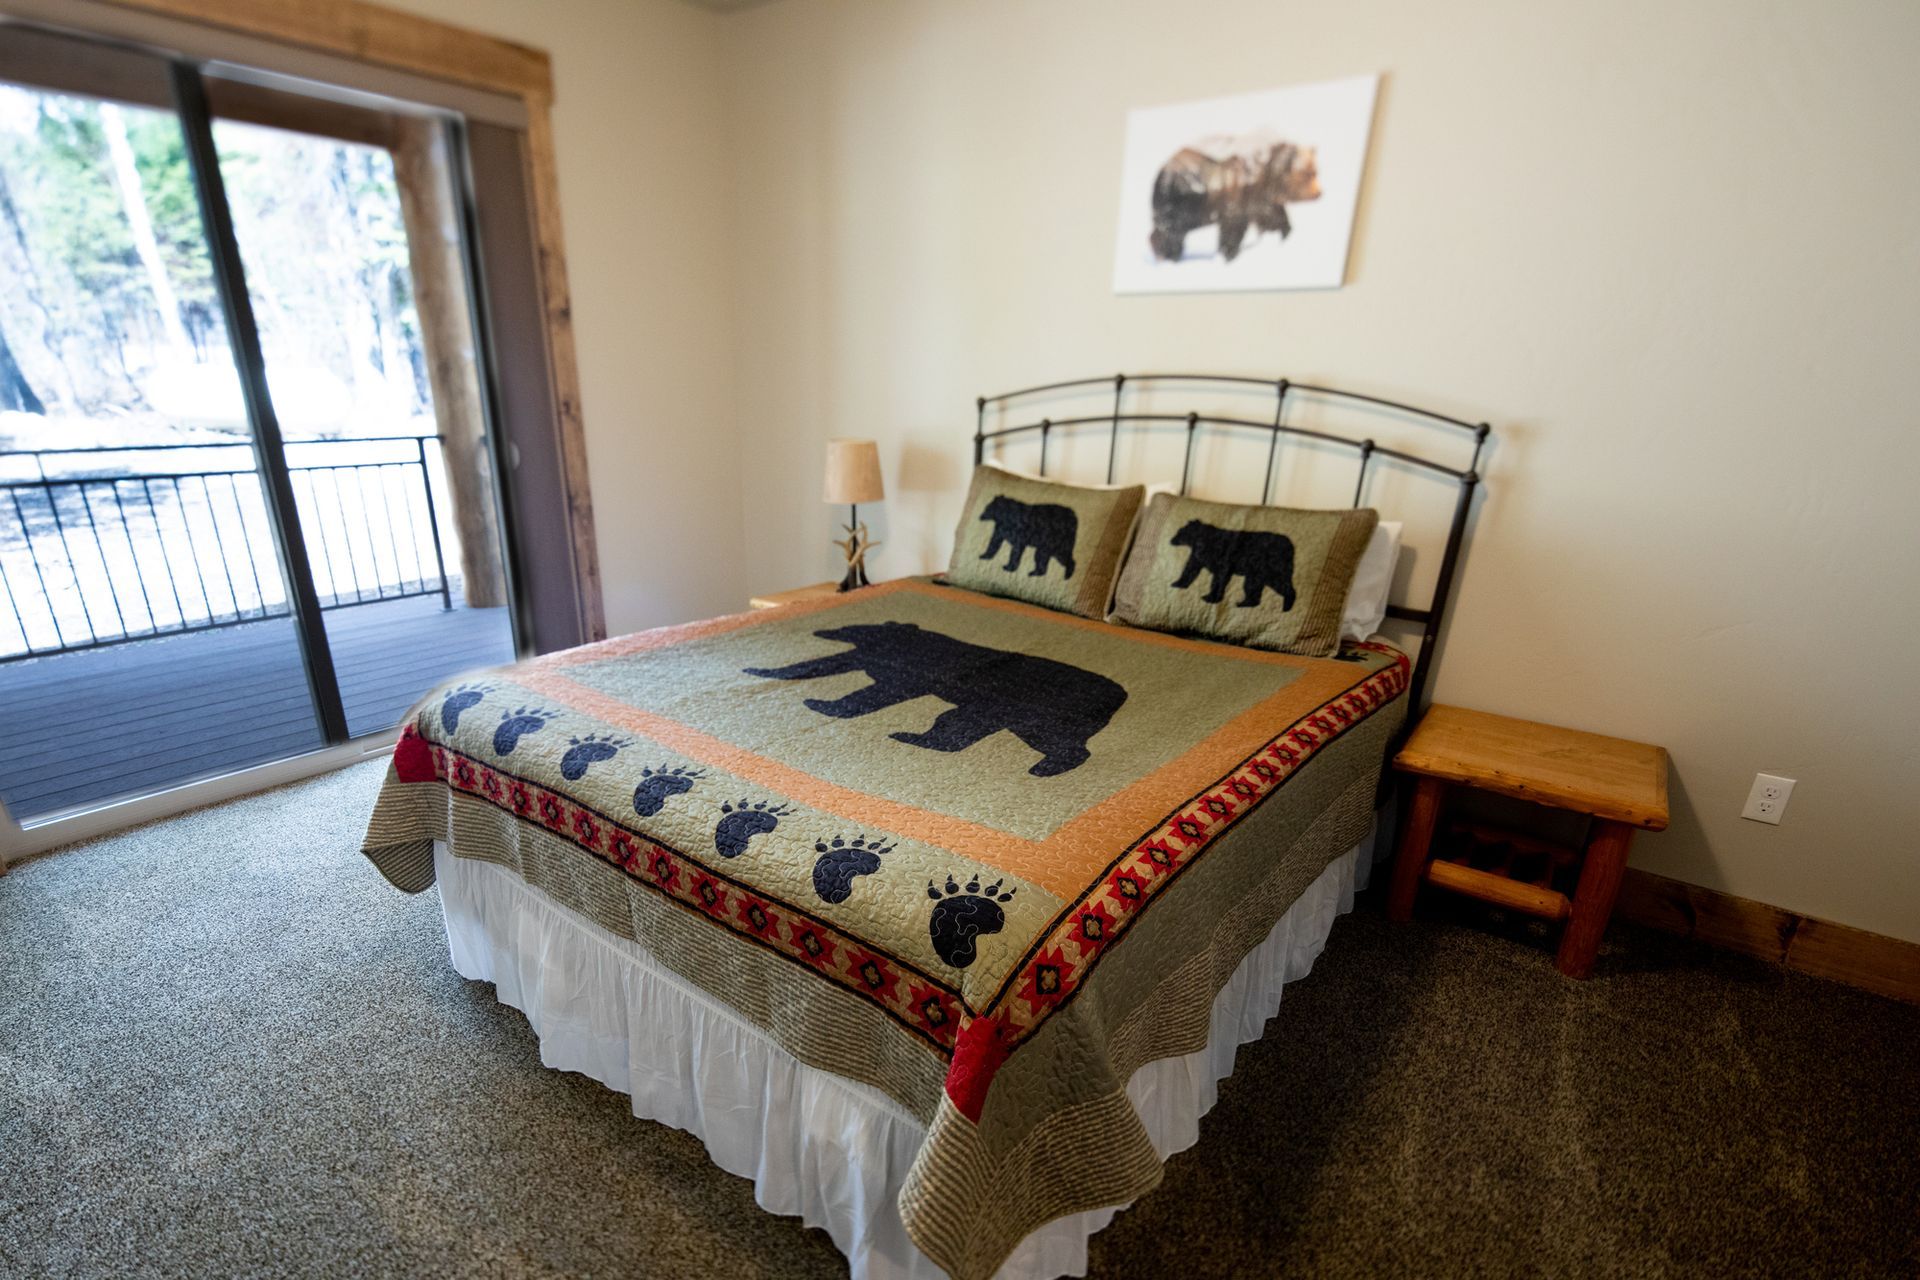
x=657, y=786
x=584, y=753
x=960, y=916
x=458, y=699
x=841, y=860
x=517, y=724
x=742, y=822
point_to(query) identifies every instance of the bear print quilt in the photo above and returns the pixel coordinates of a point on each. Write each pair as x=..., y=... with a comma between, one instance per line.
x=985, y=857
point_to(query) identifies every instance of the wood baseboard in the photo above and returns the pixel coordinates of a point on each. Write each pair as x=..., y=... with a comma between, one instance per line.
x=1870, y=961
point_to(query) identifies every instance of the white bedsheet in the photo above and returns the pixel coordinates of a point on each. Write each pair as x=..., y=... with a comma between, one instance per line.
x=829, y=1150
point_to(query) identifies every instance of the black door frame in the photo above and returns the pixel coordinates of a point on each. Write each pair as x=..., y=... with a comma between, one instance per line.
x=269, y=448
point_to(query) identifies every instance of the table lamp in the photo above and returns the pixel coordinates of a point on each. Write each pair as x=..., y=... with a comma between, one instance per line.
x=853, y=477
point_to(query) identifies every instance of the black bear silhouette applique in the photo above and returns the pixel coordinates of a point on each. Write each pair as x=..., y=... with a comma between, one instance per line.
x=1047, y=527
x=1260, y=560
x=1052, y=707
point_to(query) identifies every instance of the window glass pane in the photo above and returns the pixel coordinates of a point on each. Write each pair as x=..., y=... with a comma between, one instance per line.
x=353, y=262
x=145, y=637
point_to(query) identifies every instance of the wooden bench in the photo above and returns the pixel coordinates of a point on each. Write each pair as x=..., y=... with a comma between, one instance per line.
x=1620, y=785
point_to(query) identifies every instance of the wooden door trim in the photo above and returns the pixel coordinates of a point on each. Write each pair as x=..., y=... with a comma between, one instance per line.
x=385, y=37
x=372, y=33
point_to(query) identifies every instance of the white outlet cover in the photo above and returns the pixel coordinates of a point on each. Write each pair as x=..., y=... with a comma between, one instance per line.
x=1767, y=802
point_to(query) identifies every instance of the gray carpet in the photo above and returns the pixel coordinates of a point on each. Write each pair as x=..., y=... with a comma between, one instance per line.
x=228, y=1048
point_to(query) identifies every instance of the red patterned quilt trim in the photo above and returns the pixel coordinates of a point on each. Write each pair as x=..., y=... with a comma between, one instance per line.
x=913, y=999
x=1057, y=966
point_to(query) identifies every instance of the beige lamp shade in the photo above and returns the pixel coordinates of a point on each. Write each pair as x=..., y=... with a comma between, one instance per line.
x=853, y=472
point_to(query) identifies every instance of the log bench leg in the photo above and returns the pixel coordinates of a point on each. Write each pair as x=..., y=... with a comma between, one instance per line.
x=1606, y=861
x=1410, y=858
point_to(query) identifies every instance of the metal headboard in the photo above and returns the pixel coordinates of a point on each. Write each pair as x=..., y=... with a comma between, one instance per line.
x=1467, y=478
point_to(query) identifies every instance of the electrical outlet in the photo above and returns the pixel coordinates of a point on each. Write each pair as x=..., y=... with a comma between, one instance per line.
x=1767, y=802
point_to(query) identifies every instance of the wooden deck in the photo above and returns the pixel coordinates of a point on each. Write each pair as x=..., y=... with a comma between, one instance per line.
x=78, y=728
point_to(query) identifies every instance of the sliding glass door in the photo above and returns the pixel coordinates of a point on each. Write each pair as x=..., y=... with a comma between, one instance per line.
x=356, y=273
x=247, y=499
x=145, y=629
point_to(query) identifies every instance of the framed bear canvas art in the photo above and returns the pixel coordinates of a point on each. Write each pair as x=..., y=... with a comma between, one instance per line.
x=1255, y=191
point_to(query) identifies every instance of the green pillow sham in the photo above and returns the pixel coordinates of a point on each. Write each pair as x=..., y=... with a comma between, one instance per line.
x=1057, y=545
x=1269, y=577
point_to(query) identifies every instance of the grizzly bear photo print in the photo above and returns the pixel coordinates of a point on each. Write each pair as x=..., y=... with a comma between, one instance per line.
x=1255, y=191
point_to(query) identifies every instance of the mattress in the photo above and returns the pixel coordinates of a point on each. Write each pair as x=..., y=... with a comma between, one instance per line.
x=982, y=858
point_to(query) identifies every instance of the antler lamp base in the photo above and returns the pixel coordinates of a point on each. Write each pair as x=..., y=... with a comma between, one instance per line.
x=856, y=545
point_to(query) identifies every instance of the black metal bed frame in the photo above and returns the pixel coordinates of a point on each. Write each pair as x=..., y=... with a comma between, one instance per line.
x=1467, y=478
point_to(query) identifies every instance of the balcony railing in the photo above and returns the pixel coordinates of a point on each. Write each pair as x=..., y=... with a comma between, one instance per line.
x=102, y=546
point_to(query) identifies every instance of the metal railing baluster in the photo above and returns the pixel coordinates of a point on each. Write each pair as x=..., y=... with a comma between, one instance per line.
x=346, y=535
x=193, y=550
x=26, y=536
x=100, y=550
x=366, y=522
x=403, y=575
x=433, y=525
x=13, y=604
x=246, y=540
x=66, y=549
x=166, y=561
x=393, y=538
x=133, y=556
x=226, y=565
x=413, y=533
x=13, y=601
x=317, y=533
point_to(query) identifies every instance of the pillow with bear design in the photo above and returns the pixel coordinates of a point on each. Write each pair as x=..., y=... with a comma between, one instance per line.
x=1051, y=544
x=1269, y=577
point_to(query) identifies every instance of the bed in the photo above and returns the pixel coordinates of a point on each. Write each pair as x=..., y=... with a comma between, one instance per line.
x=937, y=914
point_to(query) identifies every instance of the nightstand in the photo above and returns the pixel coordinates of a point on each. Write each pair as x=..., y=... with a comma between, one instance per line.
x=1620, y=785
x=778, y=598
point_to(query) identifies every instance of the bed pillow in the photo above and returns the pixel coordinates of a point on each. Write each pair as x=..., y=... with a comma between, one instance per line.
x=1270, y=577
x=1051, y=544
x=1366, y=606
x=1149, y=490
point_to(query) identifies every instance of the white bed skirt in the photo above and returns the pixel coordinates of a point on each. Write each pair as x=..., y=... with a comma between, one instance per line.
x=828, y=1150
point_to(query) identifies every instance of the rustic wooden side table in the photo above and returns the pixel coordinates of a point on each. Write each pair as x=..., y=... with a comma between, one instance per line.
x=1620, y=785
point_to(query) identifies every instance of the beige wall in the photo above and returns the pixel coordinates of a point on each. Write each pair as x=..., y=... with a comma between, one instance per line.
x=637, y=124
x=1669, y=250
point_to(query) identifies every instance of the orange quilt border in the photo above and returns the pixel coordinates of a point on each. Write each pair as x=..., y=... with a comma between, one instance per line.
x=1111, y=823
